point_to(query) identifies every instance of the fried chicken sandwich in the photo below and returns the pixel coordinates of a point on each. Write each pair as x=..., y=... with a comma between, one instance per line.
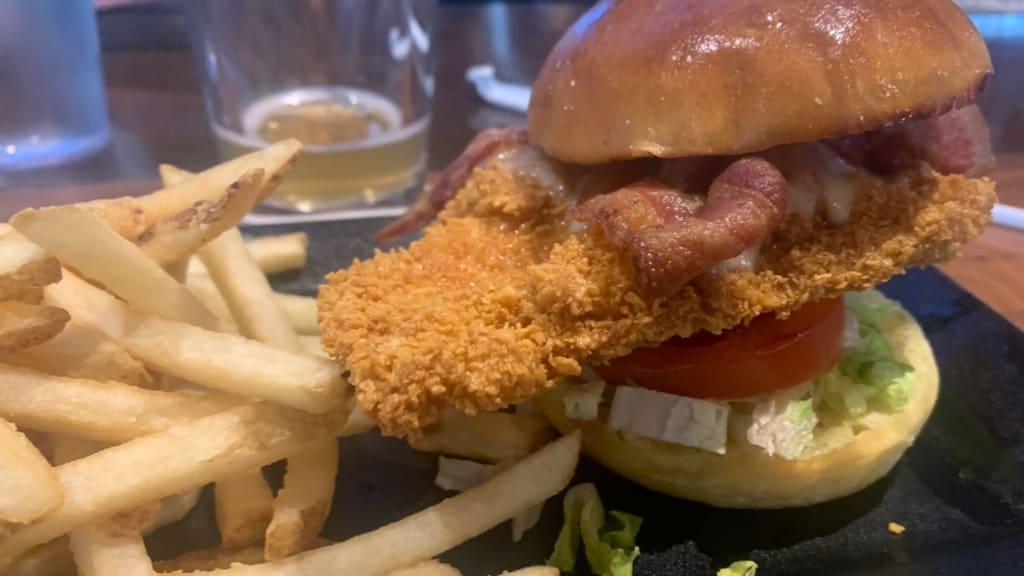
x=677, y=254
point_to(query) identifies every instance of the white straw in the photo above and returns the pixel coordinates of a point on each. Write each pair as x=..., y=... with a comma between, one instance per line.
x=515, y=97
x=330, y=216
x=1009, y=216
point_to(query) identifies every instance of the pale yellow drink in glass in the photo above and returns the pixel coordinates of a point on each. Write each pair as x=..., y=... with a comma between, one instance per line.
x=356, y=149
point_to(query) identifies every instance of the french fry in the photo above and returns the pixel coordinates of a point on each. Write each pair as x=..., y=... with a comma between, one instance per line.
x=103, y=411
x=220, y=557
x=80, y=353
x=211, y=559
x=243, y=502
x=24, y=265
x=279, y=253
x=533, y=571
x=273, y=253
x=311, y=344
x=23, y=325
x=113, y=545
x=243, y=507
x=302, y=505
x=170, y=462
x=486, y=436
x=216, y=360
x=125, y=215
x=275, y=161
x=89, y=245
x=28, y=484
x=207, y=292
x=51, y=559
x=301, y=311
x=443, y=526
x=247, y=292
x=100, y=552
x=174, y=508
x=427, y=568
x=177, y=237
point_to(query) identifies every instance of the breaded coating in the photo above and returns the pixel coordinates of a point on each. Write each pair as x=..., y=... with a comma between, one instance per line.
x=500, y=297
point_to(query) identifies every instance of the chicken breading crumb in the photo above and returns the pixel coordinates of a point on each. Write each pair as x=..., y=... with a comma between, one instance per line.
x=500, y=298
x=896, y=528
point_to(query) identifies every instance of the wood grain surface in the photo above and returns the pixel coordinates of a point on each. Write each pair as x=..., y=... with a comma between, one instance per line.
x=157, y=116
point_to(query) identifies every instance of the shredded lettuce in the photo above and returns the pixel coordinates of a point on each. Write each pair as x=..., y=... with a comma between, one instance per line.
x=610, y=550
x=868, y=376
x=740, y=568
x=783, y=424
x=582, y=401
x=460, y=475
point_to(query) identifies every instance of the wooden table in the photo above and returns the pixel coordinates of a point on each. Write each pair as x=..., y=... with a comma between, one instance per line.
x=157, y=115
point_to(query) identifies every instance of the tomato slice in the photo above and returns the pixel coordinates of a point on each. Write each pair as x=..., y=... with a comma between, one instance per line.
x=767, y=354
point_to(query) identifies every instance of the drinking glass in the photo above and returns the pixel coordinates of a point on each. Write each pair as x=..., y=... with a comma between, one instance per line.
x=351, y=79
x=52, y=105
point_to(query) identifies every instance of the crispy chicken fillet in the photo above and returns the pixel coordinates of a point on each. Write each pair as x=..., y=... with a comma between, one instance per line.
x=500, y=298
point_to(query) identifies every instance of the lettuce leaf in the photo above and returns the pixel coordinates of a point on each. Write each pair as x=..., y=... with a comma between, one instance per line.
x=740, y=568
x=872, y=363
x=610, y=550
x=783, y=423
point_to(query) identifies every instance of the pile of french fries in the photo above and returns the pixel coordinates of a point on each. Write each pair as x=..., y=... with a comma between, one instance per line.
x=145, y=356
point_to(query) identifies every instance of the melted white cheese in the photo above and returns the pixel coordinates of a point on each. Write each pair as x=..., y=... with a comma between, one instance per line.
x=744, y=262
x=686, y=421
x=532, y=163
x=816, y=175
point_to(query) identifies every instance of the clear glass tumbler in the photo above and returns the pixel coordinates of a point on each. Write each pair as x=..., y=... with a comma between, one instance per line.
x=52, y=104
x=351, y=79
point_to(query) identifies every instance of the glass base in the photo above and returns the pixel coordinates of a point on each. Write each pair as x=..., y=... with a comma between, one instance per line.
x=35, y=152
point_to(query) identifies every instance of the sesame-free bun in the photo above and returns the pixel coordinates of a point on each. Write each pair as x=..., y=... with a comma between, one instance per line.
x=745, y=476
x=636, y=78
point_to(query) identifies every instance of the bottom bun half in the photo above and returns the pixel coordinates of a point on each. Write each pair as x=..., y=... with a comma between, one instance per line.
x=746, y=477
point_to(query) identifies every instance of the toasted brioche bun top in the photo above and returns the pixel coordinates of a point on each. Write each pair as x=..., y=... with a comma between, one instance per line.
x=677, y=78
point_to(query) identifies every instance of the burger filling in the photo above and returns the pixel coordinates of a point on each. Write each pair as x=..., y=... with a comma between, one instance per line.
x=794, y=387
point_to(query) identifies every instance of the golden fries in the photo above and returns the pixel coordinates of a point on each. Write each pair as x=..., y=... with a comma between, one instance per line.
x=216, y=360
x=28, y=485
x=86, y=243
x=80, y=353
x=24, y=266
x=174, y=239
x=100, y=552
x=275, y=161
x=170, y=462
x=443, y=526
x=301, y=311
x=428, y=568
x=145, y=353
x=103, y=411
x=281, y=253
x=23, y=325
x=273, y=254
x=302, y=505
x=247, y=292
x=51, y=559
x=113, y=545
x=243, y=506
x=533, y=571
x=487, y=436
x=243, y=502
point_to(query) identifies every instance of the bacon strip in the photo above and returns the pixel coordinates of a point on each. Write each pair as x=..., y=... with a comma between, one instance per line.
x=673, y=237
x=440, y=189
x=957, y=142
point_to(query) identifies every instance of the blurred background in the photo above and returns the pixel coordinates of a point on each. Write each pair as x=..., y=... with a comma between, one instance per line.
x=155, y=107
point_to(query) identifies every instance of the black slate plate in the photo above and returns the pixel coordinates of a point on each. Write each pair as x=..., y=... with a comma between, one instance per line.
x=959, y=490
